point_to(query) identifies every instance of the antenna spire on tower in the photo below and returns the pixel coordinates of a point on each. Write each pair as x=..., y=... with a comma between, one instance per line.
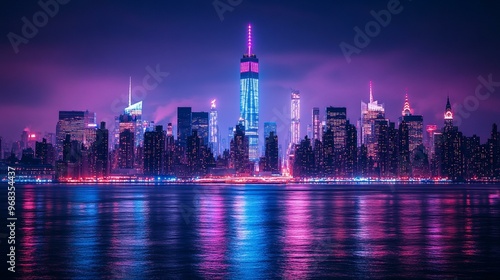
x=371, y=92
x=249, y=39
x=130, y=92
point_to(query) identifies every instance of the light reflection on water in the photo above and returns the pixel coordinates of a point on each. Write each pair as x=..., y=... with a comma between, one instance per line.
x=257, y=231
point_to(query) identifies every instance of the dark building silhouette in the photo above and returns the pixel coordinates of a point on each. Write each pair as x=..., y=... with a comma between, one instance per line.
x=154, y=151
x=271, y=154
x=101, y=151
x=404, y=150
x=240, y=160
x=45, y=152
x=184, y=123
x=126, y=146
x=303, y=165
x=328, y=164
x=199, y=122
x=351, y=151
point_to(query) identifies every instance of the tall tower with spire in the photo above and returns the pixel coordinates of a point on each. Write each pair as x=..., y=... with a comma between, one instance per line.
x=415, y=124
x=369, y=113
x=135, y=110
x=249, y=97
x=448, y=114
x=406, y=107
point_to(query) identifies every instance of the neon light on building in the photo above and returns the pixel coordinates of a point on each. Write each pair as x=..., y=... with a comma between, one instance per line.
x=249, y=97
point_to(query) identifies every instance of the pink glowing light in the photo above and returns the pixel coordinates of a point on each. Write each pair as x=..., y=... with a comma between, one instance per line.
x=371, y=92
x=254, y=67
x=249, y=40
x=244, y=67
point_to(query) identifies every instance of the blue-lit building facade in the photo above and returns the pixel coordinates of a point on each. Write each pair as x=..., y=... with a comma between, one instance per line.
x=249, y=98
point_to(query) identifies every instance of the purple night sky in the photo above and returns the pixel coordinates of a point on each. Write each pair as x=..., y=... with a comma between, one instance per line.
x=83, y=57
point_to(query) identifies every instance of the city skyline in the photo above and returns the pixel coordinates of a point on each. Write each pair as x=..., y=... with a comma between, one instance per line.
x=313, y=64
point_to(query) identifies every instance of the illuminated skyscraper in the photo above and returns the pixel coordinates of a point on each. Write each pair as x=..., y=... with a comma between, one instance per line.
x=249, y=97
x=295, y=117
x=430, y=129
x=316, y=125
x=448, y=114
x=154, y=151
x=135, y=110
x=213, y=128
x=369, y=113
x=450, y=148
x=74, y=123
x=126, y=153
x=415, y=126
x=336, y=122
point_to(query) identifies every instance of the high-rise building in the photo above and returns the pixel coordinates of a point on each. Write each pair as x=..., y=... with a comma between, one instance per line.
x=230, y=136
x=404, y=150
x=75, y=124
x=213, y=128
x=270, y=127
x=154, y=151
x=271, y=153
x=382, y=146
x=45, y=152
x=170, y=150
x=430, y=129
x=240, y=159
x=369, y=113
x=101, y=150
x=126, y=147
x=295, y=117
x=415, y=126
x=183, y=125
x=135, y=110
x=200, y=122
x=316, y=125
x=451, y=148
x=336, y=121
x=303, y=165
x=351, y=151
x=249, y=97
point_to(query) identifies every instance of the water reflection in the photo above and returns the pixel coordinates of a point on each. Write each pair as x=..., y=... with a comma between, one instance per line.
x=249, y=232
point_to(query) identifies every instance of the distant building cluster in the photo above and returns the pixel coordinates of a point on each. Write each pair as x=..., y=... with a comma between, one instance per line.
x=195, y=147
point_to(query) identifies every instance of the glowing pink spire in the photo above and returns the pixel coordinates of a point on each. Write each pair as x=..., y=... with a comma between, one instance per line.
x=406, y=108
x=371, y=92
x=249, y=39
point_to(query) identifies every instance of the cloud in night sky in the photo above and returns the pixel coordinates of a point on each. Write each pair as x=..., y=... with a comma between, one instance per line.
x=83, y=57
